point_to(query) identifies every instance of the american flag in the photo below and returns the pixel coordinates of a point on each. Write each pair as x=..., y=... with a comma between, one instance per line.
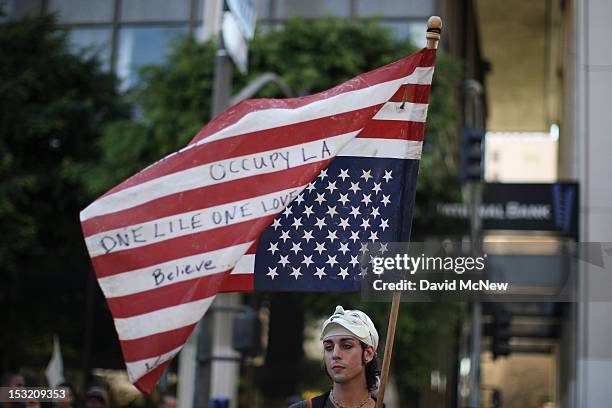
x=164, y=242
x=319, y=240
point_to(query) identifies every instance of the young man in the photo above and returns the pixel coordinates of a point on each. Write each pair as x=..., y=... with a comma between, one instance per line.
x=350, y=341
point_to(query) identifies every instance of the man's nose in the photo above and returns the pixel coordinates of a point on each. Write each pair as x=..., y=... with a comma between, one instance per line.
x=336, y=352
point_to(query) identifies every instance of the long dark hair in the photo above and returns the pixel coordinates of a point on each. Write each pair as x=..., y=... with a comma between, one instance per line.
x=371, y=369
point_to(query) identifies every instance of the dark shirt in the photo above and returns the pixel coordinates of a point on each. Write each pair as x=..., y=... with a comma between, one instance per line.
x=328, y=403
x=304, y=404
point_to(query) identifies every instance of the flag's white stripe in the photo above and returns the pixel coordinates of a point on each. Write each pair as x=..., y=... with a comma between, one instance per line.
x=217, y=172
x=345, y=102
x=156, y=276
x=192, y=222
x=162, y=320
x=246, y=265
x=383, y=148
x=413, y=112
x=137, y=369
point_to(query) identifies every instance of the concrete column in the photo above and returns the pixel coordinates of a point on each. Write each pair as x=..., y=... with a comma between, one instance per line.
x=187, y=366
x=225, y=361
x=592, y=108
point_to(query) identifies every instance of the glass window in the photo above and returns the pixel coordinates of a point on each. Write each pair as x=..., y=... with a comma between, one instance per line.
x=92, y=40
x=395, y=8
x=143, y=45
x=313, y=8
x=79, y=11
x=263, y=8
x=199, y=12
x=413, y=31
x=22, y=8
x=198, y=33
x=155, y=10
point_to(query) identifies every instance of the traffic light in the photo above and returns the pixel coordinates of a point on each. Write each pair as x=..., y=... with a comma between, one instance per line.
x=501, y=333
x=246, y=336
x=471, y=153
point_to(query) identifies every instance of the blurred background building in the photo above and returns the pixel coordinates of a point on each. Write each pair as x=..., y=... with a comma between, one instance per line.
x=130, y=33
x=546, y=70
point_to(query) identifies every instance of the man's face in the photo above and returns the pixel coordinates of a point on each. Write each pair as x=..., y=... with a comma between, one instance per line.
x=345, y=358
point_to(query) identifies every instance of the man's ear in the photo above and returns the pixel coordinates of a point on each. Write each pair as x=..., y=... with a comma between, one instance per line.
x=369, y=354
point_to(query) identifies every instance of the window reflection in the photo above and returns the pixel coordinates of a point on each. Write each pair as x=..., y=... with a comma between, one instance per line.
x=312, y=8
x=143, y=45
x=394, y=8
x=155, y=10
x=403, y=30
x=92, y=41
x=79, y=11
x=21, y=8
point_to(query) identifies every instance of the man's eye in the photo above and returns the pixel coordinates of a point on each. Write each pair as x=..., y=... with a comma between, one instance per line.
x=348, y=346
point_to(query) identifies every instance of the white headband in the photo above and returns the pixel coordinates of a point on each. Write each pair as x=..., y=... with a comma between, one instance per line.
x=353, y=323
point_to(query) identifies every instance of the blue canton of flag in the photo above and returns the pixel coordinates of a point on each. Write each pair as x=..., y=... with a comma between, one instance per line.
x=317, y=243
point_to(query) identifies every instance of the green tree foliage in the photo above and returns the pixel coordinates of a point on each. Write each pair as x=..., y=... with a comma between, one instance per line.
x=53, y=105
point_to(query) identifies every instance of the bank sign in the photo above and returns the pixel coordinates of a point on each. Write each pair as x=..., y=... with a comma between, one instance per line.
x=510, y=206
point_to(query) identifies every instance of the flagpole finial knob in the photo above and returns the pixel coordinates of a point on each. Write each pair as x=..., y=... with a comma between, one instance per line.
x=434, y=28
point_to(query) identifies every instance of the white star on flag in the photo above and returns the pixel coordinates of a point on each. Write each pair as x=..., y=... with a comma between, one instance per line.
x=366, y=175
x=387, y=176
x=272, y=273
x=296, y=273
x=307, y=236
x=284, y=260
x=331, y=186
x=273, y=247
x=343, y=174
x=297, y=247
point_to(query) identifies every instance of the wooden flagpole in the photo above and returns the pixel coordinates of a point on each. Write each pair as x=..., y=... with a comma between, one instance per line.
x=388, y=348
x=434, y=28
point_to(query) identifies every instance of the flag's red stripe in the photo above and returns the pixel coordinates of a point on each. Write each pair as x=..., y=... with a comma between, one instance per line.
x=201, y=198
x=395, y=70
x=156, y=344
x=416, y=94
x=244, y=282
x=147, y=382
x=166, y=296
x=252, y=143
x=393, y=129
x=193, y=244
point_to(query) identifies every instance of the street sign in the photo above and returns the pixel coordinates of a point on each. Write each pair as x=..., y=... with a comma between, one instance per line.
x=234, y=42
x=244, y=11
x=528, y=206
